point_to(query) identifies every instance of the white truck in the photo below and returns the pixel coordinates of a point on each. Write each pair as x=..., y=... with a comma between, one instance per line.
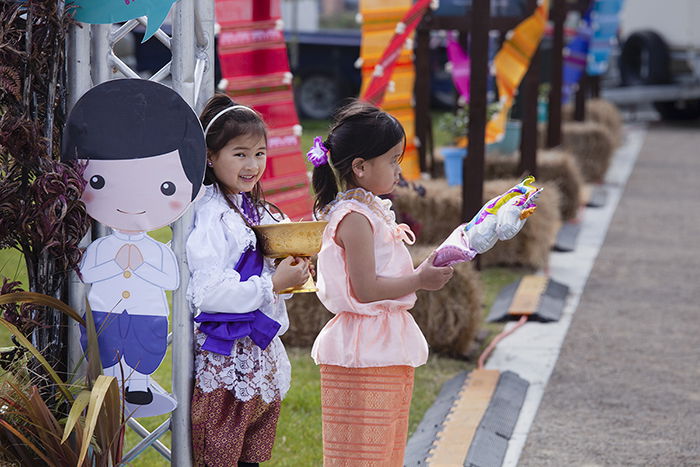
x=659, y=57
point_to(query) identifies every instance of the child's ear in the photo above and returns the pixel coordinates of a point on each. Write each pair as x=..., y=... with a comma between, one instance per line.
x=358, y=167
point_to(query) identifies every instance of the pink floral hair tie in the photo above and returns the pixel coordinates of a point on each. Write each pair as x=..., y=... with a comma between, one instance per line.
x=318, y=154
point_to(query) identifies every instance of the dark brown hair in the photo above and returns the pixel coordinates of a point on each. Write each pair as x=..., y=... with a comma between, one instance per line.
x=228, y=126
x=359, y=129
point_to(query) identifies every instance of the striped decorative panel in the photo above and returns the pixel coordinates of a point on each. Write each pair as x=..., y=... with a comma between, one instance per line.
x=253, y=57
x=383, y=44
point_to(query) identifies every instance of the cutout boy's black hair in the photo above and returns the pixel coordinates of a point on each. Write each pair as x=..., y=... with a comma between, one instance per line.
x=135, y=119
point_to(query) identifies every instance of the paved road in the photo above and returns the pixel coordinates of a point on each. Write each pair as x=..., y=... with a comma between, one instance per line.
x=626, y=387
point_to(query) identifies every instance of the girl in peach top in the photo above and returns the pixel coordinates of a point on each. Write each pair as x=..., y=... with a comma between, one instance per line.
x=369, y=350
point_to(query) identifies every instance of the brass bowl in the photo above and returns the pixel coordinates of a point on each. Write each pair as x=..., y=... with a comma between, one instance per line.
x=291, y=238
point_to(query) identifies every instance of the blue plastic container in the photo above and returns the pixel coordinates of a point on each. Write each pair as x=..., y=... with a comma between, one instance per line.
x=542, y=110
x=453, y=164
x=511, y=140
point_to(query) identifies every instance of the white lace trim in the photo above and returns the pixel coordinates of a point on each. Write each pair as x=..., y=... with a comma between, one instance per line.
x=269, y=296
x=245, y=237
x=249, y=371
x=204, y=281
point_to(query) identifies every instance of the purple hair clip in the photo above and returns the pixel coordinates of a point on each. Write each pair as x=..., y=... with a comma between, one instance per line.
x=318, y=154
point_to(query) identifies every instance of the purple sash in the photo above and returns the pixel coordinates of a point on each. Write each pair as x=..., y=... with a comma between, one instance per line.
x=222, y=329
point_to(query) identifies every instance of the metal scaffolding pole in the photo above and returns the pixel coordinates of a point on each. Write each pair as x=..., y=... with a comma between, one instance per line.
x=79, y=81
x=189, y=63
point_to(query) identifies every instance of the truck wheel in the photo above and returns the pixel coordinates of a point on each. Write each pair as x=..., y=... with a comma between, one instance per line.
x=679, y=110
x=645, y=59
x=317, y=96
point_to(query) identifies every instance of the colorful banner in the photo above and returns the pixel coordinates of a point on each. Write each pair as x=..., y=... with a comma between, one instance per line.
x=255, y=72
x=460, y=66
x=605, y=21
x=575, y=56
x=388, y=74
x=511, y=64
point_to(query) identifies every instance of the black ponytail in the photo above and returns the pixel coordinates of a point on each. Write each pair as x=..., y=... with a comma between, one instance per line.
x=325, y=186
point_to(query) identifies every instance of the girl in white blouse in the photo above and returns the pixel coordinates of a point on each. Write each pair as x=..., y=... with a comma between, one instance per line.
x=241, y=368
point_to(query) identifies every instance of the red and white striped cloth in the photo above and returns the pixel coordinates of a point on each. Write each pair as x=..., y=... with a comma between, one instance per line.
x=254, y=65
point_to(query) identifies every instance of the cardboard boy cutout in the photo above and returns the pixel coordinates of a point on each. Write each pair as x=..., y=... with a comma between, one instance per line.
x=145, y=154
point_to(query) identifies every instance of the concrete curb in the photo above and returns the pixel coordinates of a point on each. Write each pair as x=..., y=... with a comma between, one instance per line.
x=532, y=351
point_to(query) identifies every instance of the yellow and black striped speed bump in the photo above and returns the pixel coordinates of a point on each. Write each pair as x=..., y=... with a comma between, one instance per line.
x=490, y=442
x=422, y=441
x=538, y=297
x=475, y=428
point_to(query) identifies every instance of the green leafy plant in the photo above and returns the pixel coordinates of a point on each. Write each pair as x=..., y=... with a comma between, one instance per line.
x=30, y=431
x=456, y=124
x=41, y=214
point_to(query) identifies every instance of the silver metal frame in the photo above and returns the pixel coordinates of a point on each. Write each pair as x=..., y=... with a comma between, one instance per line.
x=91, y=60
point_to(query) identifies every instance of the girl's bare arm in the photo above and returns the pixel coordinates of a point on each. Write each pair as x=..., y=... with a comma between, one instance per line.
x=355, y=236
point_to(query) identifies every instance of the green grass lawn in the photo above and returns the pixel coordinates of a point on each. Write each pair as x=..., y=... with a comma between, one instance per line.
x=299, y=430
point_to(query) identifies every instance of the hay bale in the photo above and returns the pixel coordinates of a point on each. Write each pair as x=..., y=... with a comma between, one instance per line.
x=439, y=212
x=560, y=168
x=593, y=146
x=438, y=169
x=532, y=246
x=607, y=114
x=307, y=316
x=556, y=166
x=604, y=112
x=450, y=317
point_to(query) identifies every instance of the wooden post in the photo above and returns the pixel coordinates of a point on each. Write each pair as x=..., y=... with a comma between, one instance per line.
x=529, y=92
x=558, y=14
x=595, y=87
x=584, y=87
x=473, y=168
x=580, y=107
x=421, y=94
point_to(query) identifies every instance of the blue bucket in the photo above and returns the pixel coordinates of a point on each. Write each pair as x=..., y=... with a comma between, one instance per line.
x=453, y=164
x=511, y=140
x=542, y=110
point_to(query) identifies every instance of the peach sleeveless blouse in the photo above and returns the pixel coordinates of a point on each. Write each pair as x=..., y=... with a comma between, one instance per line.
x=375, y=334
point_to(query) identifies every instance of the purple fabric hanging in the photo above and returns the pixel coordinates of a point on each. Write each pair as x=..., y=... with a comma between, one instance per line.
x=222, y=329
x=461, y=66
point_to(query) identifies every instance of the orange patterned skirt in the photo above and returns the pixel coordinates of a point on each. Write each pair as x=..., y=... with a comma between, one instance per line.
x=365, y=414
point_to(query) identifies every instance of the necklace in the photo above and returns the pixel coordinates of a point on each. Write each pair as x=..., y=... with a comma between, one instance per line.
x=248, y=212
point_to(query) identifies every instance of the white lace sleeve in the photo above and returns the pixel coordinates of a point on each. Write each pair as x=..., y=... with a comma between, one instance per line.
x=213, y=248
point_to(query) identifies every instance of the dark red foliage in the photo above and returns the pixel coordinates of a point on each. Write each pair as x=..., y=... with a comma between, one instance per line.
x=18, y=315
x=41, y=214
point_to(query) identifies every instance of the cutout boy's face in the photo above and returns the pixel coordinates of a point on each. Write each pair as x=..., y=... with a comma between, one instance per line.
x=137, y=195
